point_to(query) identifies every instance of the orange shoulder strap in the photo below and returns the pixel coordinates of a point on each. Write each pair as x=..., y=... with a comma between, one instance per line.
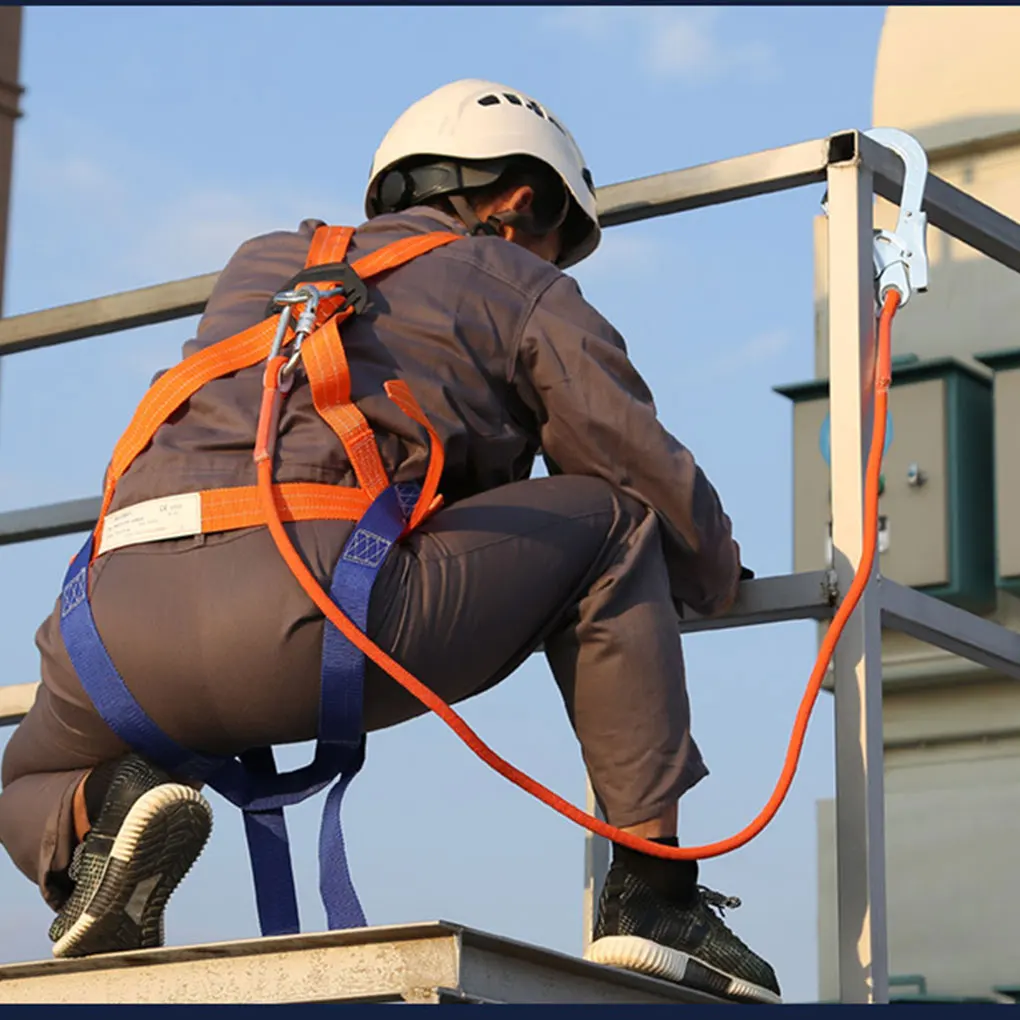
x=182, y=381
x=329, y=375
x=329, y=244
x=400, y=252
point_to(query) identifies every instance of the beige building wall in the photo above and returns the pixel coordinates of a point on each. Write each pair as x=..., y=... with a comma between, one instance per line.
x=951, y=77
x=952, y=830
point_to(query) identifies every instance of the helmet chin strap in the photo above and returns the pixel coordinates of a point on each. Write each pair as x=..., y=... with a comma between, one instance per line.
x=494, y=224
x=463, y=209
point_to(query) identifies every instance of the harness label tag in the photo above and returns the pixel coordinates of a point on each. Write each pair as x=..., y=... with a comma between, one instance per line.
x=155, y=519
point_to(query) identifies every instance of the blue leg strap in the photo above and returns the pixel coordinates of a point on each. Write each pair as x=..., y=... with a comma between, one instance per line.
x=253, y=782
x=103, y=684
x=342, y=691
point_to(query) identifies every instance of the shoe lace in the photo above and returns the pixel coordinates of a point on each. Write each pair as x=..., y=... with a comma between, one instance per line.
x=719, y=902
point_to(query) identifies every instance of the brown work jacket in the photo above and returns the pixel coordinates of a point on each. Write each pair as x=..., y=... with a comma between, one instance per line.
x=504, y=355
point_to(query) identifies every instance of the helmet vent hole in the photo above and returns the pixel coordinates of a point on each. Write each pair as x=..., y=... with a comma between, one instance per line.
x=488, y=100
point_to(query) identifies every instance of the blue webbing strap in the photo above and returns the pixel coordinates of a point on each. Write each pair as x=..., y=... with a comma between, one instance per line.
x=342, y=690
x=253, y=783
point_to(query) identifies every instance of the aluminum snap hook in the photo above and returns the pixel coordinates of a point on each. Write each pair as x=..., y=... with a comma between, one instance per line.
x=901, y=256
x=281, y=332
x=306, y=320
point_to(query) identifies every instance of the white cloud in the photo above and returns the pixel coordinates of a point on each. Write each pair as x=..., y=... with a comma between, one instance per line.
x=757, y=350
x=672, y=42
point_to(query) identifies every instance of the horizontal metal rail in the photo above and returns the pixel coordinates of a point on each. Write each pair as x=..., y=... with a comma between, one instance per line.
x=948, y=208
x=49, y=521
x=760, y=173
x=949, y=628
x=112, y=314
x=729, y=180
x=806, y=596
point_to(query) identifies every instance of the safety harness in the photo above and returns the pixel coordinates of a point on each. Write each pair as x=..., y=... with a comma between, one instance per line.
x=383, y=512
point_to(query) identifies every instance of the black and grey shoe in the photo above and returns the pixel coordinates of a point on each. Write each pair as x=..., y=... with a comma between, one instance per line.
x=690, y=945
x=146, y=835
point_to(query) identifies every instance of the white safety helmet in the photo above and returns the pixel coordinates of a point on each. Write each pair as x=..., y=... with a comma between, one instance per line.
x=484, y=124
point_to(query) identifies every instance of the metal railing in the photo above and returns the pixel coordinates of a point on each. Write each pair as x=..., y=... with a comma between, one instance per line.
x=855, y=168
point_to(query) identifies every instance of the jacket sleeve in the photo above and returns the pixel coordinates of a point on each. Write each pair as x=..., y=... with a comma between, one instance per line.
x=596, y=416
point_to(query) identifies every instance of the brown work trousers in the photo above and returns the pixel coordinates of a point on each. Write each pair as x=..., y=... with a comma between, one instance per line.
x=222, y=648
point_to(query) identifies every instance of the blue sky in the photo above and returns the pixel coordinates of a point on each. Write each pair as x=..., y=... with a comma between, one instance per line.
x=155, y=140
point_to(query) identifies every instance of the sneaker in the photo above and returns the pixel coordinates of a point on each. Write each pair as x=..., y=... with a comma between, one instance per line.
x=148, y=833
x=690, y=945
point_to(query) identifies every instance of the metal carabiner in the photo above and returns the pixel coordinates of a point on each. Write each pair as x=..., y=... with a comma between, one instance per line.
x=308, y=296
x=306, y=323
x=281, y=332
x=901, y=256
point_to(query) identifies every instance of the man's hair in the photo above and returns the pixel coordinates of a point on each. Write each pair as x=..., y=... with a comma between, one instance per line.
x=521, y=171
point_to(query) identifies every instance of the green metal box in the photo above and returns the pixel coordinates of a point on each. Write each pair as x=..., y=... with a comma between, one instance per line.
x=936, y=526
x=1006, y=394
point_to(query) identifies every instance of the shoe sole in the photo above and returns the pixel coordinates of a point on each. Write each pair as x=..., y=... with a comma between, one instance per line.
x=646, y=957
x=160, y=839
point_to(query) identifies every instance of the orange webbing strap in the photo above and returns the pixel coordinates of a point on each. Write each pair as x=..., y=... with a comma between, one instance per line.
x=399, y=252
x=245, y=349
x=227, y=509
x=239, y=507
x=330, y=380
x=329, y=374
x=182, y=381
x=176, y=386
x=429, y=501
x=329, y=244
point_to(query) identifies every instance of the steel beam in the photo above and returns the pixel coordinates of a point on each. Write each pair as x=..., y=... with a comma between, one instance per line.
x=710, y=184
x=728, y=180
x=807, y=596
x=10, y=111
x=597, y=852
x=49, y=521
x=759, y=173
x=860, y=841
x=947, y=207
x=126, y=310
x=424, y=963
x=947, y=627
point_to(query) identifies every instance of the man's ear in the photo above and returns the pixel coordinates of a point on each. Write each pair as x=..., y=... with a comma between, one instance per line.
x=522, y=198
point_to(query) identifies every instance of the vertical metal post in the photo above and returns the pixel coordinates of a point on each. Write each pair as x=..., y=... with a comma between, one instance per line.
x=860, y=835
x=10, y=93
x=596, y=865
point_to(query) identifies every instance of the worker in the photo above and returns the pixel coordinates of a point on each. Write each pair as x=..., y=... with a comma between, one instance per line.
x=222, y=648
